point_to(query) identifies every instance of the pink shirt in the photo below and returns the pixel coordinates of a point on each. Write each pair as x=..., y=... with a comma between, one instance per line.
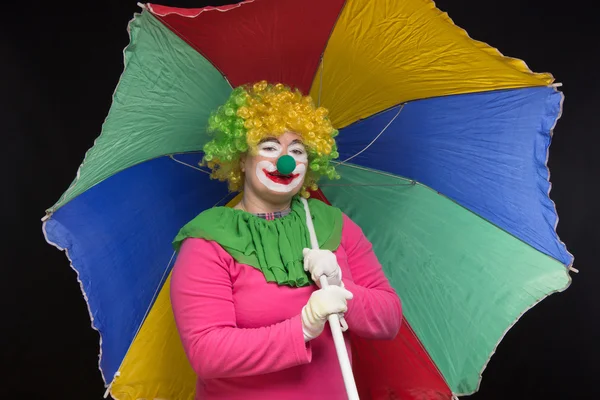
x=243, y=336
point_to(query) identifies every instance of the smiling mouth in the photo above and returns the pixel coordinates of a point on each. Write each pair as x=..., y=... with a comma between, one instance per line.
x=279, y=178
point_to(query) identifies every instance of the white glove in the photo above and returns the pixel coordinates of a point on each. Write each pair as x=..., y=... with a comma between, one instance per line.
x=321, y=304
x=322, y=262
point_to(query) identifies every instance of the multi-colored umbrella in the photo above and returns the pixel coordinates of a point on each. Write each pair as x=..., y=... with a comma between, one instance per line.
x=443, y=147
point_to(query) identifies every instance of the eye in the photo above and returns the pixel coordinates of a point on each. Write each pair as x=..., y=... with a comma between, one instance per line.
x=269, y=150
x=299, y=153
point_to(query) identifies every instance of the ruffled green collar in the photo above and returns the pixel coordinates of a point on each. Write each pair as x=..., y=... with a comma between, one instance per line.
x=274, y=247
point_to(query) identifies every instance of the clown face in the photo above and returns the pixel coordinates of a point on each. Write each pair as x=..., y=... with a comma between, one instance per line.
x=261, y=174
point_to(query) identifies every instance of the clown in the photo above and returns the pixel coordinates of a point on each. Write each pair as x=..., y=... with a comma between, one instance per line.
x=245, y=287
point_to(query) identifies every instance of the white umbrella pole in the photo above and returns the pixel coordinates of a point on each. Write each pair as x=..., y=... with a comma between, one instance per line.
x=334, y=321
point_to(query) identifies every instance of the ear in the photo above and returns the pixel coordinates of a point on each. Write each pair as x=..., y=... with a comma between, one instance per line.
x=243, y=162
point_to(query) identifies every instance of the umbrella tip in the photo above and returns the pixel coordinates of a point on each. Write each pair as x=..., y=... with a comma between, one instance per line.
x=117, y=374
x=141, y=5
x=574, y=270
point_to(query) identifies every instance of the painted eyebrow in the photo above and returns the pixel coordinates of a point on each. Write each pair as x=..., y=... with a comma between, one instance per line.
x=275, y=140
x=269, y=139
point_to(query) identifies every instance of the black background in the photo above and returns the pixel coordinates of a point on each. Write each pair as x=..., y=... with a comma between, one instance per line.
x=60, y=64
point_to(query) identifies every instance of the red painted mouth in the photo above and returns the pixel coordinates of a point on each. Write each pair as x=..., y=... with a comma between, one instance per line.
x=279, y=178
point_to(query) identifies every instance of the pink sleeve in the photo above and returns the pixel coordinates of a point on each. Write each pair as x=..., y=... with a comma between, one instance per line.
x=201, y=295
x=375, y=311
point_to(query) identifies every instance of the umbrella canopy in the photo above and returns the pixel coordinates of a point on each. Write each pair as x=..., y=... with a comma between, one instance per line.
x=443, y=147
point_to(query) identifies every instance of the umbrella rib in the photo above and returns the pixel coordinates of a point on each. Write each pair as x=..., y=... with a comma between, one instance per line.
x=322, y=58
x=376, y=171
x=321, y=67
x=222, y=198
x=411, y=183
x=188, y=165
x=376, y=137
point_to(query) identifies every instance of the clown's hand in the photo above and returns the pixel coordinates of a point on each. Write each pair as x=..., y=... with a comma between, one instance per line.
x=323, y=303
x=322, y=262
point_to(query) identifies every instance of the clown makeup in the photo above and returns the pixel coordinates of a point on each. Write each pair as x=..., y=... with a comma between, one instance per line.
x=267, y=174
x=266, y=170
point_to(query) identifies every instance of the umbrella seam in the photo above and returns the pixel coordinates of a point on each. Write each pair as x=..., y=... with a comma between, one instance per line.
x=183, y=38
x=52, y=210
x=154, y=297
x=321, y=68
x=322, y=56
x=503, y=89
x=420, y=343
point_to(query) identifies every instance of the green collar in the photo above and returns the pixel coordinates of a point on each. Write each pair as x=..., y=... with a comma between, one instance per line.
x=274, y=247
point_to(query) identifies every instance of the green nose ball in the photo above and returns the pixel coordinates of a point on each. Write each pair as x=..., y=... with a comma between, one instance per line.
x=286, y=165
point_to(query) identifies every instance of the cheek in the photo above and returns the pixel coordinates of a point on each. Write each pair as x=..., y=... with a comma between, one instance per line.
x=302, y=159
x=300, y=170
x=259, y=167
x=251, y=162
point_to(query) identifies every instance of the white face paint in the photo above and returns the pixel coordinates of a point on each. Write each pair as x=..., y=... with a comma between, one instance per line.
x=298, y=151
x=269, y=181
